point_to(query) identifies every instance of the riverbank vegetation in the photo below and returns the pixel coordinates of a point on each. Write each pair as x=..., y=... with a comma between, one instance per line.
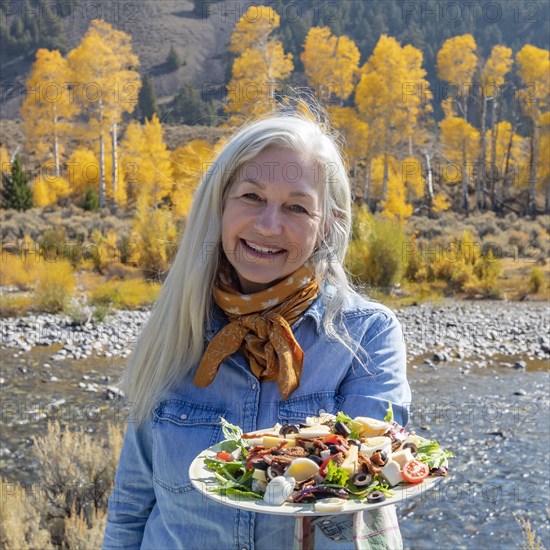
x=85, y=264
x=67, y=507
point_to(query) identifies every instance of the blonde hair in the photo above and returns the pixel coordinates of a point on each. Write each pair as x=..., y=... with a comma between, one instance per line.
x=172, y=341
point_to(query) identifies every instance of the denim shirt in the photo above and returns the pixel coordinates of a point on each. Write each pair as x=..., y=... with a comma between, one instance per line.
x=153, y=503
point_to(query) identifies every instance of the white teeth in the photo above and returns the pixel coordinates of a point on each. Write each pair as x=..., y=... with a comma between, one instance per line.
x=262, y=249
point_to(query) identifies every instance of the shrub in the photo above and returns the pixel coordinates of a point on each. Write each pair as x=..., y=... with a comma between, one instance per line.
x=536, y=280
x=20, y=522
x=55, y=286
x=129, y=293
x=20, y=270
x=91, y=201
x=15, y=305
x=376, y=252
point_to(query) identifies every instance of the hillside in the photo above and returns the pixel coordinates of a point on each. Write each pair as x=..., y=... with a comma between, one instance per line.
x=154, y=27
x=201, y=41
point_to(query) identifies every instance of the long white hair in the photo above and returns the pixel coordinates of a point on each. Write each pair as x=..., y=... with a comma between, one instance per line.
x=172, y=341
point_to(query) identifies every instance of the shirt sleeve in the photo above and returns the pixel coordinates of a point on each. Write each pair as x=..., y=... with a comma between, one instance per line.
x=380, y=374
x=133, y=496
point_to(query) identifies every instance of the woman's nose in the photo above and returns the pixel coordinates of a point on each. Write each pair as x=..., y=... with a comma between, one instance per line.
x=268, y=221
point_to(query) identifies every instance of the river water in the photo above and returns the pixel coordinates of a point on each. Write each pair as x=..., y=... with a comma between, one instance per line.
x=495, y=419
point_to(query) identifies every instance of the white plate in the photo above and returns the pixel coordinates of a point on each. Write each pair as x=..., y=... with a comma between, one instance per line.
x=203, y=479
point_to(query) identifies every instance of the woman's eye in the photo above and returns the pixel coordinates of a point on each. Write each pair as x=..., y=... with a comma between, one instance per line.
x=251, y=196
x=297, y=208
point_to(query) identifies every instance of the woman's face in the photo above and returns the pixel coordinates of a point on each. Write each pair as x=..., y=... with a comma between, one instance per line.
x=272, y=217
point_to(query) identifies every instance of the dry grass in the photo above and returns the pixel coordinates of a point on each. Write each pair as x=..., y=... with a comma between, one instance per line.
x=129, y=294
x=55, y=285
x=531, y=540
x=20, y=518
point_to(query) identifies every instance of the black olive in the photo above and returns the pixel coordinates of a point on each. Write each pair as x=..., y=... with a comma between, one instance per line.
x=333, y=449
x=277, y=453
x=289, y=429
x=360, y=479
x=272, y=472
x=412, y=447
x=317, y=459
x=376, y=496
x=379, y=458
x=258, y=464
x=342, y=429
x=354, y=442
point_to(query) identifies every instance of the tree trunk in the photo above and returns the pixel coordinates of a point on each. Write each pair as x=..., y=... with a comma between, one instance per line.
x=385, y=177
x=410, y=146
x=114, y=175
x=366, y=186
x=494, y=135
x=56, y=148
x=101, y=170
x=506, y=175
x=533, y=169
x=465, y=181
x=481, y=180
x=429, y=179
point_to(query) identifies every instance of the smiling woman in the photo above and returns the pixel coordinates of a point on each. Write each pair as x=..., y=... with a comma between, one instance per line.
x=256, y=323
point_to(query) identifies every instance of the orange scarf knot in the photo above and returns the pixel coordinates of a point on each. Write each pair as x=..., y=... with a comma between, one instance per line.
x=260, y=326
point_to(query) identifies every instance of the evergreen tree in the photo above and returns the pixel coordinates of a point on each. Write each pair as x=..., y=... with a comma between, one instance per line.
x=147, y=99
x=200, y=9
x=188, y=107
x=173, y=61
x=16, y=192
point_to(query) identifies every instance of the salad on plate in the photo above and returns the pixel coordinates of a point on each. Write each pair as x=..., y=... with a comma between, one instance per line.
x=326, y=460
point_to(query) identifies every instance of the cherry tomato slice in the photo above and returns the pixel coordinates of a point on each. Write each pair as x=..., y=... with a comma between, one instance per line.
x=224, y=455
x=415, y=471
x=323, y=467
x=332, y=439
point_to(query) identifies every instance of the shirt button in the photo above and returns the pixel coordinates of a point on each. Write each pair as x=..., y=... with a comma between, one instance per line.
x=183, y=416
x=244, y=548
x=253, y=386
x=321, y=411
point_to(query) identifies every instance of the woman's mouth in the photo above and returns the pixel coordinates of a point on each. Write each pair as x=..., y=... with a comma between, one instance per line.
x=268, y=250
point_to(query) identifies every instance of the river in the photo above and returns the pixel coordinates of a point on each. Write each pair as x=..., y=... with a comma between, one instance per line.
x=494, y=417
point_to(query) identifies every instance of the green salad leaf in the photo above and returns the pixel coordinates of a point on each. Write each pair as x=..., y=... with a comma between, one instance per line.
x=432, y=454
x=389, y=413
x=350, y=423
x=336, y=475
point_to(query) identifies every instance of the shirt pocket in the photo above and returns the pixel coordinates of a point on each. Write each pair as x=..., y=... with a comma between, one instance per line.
x=295, y=409
x=181, y=430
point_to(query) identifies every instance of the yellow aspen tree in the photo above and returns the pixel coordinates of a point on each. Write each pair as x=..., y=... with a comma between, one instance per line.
x=48, y=189
x=48, y=107
x=151, y=175
x=189, y=162
x=416, y=98
x=507, y=161
x=260, y=67
x=411, y=174
x=492, y=81
x=106, y=86
x=395, y=206
x=456, y=63
x=83, y=172
x=331, y=63
x=390, y=98
x=355, y=132
x=5, y=164
x=460, y=142
x=534, y=70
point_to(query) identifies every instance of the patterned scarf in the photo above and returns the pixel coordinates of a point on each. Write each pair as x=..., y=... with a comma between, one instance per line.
x=259, y=325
